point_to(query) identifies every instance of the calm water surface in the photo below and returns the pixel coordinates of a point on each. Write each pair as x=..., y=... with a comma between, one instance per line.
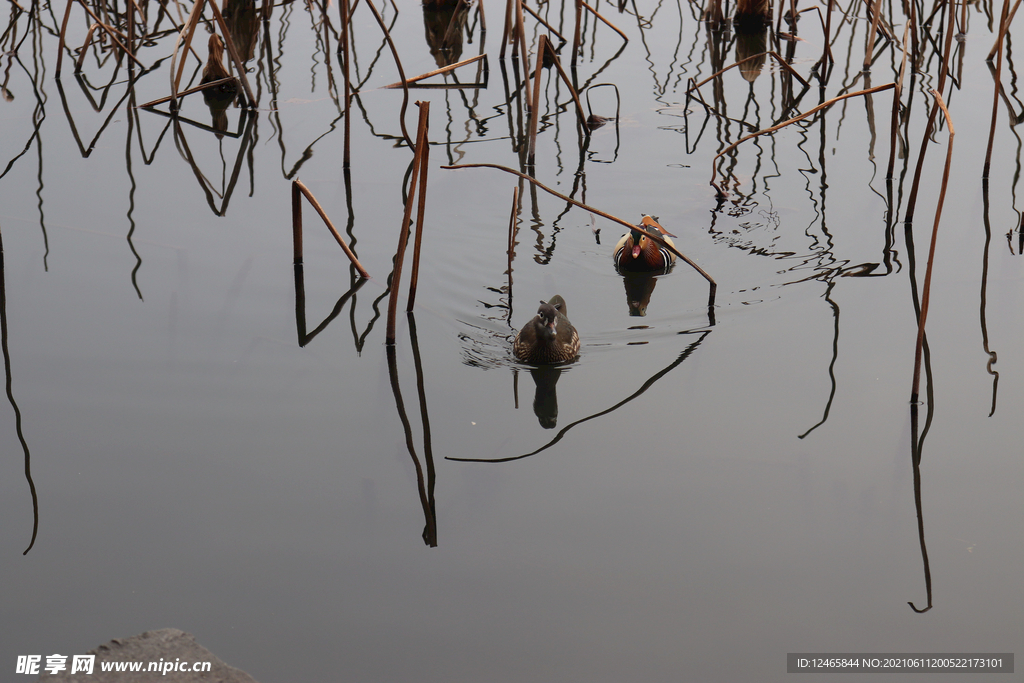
x=715, y=488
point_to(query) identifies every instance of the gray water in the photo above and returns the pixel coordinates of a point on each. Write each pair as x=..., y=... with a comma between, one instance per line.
x=720, y=486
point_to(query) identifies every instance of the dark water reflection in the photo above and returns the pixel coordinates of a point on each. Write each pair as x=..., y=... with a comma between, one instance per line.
x=221, y=441
x=545, y=403
x=545, y=399
x=14, y=404
x=639, y=288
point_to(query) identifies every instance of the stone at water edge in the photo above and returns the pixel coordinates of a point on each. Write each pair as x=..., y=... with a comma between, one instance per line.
x=168, y=644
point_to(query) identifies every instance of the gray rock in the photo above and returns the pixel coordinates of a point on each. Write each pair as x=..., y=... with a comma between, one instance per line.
x=172, y=646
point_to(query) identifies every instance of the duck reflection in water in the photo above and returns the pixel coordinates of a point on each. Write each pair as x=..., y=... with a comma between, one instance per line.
x=639, y=259
x=545, y=399
x=444, y=22
x=639, y=287
x=547, y=340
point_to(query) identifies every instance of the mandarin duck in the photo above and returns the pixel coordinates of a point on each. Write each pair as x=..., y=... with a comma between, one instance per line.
x=549, y=337
x=637, y=252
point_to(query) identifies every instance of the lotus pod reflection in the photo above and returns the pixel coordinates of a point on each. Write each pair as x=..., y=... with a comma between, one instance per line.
x=752, y=16
x=748, y=45
x=218, y=97
x=444, y=22
x=243, y=26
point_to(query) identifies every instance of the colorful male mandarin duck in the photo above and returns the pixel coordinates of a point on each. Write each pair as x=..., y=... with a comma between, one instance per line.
x=549, y=337
x=637, y=252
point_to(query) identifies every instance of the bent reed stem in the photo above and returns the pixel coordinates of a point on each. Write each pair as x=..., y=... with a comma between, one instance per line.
x=652, y=235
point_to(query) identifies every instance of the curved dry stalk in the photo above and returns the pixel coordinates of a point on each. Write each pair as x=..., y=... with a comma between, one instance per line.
x=401, y=73
x=550, y=49
x=1003, y=28
x=421, y=139
x=618, y=99
x=652, y=235
x=772, y=53
x=565, y=430
x=233, y=53
x=483, y=17
x=929, y=126
x=875, y=11
x=543, y=23
x=606, y=22
x=396, y=273
x=512, y=238
x=896, y=95
x=63, y=33
x=772, y=129
x=346, y=15
x=521, y=45
x=926, y=289
x=184, y=37
x=576, y=33
x=198, y=88
x=113, y=36
x=452, y=23
x=297, y=187
x=83, y=51
x=506, y=28
x=142, y=15
x=535, y=110
x=109, y=31
x=297, y=227
x=1003, y=23
x=435, y=72
x=14, y=404
x=826, y=56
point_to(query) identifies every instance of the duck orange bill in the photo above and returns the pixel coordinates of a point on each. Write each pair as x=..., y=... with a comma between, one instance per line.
x=636, y=250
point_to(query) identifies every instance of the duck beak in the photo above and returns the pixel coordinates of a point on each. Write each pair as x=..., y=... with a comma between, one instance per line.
x=636, y=250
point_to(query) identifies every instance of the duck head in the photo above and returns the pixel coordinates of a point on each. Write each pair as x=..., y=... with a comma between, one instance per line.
x=636, y=243
x=547, y=314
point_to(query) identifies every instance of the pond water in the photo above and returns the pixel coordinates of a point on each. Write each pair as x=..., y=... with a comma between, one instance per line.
x=199, y=435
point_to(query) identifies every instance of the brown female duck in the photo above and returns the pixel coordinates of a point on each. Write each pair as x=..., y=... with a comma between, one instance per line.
x=549, y=337
x=637, y=252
